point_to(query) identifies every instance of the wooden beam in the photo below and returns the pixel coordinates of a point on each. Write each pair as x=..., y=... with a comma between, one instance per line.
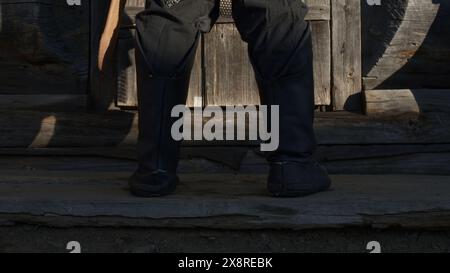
x=321, y=35
x=319, y=10
x=406, y=102
x=346, y=54
x=57, y=129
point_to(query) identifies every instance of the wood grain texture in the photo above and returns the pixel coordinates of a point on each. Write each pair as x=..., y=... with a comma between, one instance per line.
x=415, y=52
x=229, y=78
x=319, y=10
x=399, y=102
x=59, y=129
x=346, y=54
x=321, y=35
x=222, y=201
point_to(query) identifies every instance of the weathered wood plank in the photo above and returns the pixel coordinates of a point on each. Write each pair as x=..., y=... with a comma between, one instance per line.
x=322, y=61
x=346, y=54
x=230, y=78
x=430, y=159
x=57, y=129
x=319, y=10
x=233, y=202
x=125, y=69
x=406, y=102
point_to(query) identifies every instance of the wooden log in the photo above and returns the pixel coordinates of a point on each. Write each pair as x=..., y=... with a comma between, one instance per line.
x=58, y=129
x=406, y=102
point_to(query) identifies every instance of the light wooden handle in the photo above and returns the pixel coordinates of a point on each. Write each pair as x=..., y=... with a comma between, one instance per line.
x=110, y=32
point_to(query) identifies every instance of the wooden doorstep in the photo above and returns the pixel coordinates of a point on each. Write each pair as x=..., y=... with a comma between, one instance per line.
x=222, y=201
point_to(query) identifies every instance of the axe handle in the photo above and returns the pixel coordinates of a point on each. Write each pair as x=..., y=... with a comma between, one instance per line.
x=110, y=32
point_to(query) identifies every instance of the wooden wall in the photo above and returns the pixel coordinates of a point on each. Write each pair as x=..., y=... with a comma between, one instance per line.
x=406, y=44
x=219, y=77
x=48, y=49
x=44, y=49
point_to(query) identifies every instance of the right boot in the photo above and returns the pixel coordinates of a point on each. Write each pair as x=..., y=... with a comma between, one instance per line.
x=158, y=152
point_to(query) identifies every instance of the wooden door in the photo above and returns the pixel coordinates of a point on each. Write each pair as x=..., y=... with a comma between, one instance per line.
x=229, y=78
x=222, y=72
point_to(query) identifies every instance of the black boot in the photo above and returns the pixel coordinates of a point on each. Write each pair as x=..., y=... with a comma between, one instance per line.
x=280, y=48
x=293, y=171
x=290, y=179
x=158, y=152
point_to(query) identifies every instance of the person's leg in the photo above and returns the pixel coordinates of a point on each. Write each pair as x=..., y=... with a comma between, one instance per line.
x=167, y=36
x=280, y=48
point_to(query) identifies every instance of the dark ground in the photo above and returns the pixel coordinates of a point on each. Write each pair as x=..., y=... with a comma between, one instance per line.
x=27, y=238
x=46, y=203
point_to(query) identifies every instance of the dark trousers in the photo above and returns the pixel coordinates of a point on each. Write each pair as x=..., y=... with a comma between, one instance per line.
x=279, y=45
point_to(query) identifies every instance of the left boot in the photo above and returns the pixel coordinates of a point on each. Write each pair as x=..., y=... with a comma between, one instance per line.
x=158, y=152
